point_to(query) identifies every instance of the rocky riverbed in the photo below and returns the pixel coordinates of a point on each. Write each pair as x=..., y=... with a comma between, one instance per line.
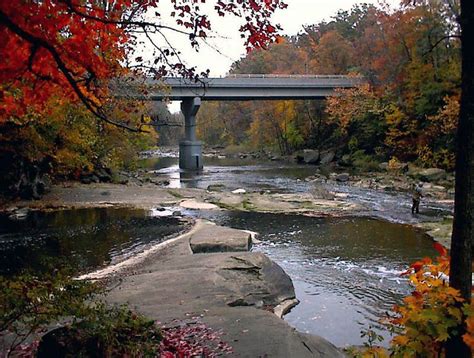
x=381, y=195
x=208, y=275
x=332, y=193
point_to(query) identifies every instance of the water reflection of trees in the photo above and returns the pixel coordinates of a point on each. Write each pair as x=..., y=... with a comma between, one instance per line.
x=85, y=238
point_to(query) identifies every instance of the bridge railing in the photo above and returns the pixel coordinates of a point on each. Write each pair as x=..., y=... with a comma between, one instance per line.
x=254, y=75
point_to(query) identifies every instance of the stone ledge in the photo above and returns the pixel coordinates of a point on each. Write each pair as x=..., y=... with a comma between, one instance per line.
x=212, y=238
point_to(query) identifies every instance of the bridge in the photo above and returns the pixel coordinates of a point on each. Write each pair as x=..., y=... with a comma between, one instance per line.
x=239, y=87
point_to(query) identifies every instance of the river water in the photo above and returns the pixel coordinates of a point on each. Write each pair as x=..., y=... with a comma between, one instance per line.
x=253, y=175
x=83, y=239
x=346, y=271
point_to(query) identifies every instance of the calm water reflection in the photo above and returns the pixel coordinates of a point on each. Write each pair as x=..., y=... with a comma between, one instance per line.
x=234, y=173
x=84, y=238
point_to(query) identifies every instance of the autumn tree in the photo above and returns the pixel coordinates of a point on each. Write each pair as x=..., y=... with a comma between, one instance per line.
x=281, y=57
x=333, y=55
x=359, y=114
x=460, y=275
x=212, y=128
x=411, y=59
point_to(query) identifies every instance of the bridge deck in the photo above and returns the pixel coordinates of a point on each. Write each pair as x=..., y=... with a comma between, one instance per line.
x=244, y=87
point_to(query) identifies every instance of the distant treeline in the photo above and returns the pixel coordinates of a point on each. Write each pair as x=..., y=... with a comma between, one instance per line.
x=407, y=110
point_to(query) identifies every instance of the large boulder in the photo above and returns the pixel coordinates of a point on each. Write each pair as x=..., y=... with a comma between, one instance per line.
x=310, y=156
x=220, y=239
x=413, y=171
x=326, y=157
x=235, y=292
x=342, y=177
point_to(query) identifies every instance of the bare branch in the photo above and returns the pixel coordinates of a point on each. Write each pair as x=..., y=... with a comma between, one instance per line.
x=440, y=41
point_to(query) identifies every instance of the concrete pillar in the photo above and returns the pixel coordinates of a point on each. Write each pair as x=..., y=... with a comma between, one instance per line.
x=190, y=153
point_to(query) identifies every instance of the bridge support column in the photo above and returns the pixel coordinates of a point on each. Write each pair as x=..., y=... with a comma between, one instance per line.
x=190, y=152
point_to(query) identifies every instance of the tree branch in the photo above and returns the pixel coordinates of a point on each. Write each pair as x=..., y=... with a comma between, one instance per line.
x=128, y=22
x=37, y=43
x=439, y=41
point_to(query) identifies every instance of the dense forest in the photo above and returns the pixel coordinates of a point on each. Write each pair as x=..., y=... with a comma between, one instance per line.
x=406, y=111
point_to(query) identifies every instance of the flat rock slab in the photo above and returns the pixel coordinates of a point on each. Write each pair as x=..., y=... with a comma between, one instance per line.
x=234, y=292
x=95, y=195
x=227, y=292
x=220, y=239
x=197, y=205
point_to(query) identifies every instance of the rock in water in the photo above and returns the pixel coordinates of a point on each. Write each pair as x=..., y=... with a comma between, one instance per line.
x=342, y=177
x=432, y=174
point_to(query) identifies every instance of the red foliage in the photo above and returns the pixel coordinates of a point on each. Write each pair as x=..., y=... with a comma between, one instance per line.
x=184, y=340
x=440, y=248
x=69, y=47
x=48, y=49
x=192, y=340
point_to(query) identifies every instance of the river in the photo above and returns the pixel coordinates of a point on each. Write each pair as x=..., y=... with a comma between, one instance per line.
x=346, y=271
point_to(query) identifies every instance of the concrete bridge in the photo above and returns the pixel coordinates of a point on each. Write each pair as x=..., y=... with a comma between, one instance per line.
x=231, y=88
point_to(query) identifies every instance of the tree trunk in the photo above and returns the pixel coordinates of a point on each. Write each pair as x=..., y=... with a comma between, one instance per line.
x=461, y=242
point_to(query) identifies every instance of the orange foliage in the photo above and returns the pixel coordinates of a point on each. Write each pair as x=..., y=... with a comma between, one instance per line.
x=333, y=54
x=427, y=317
x=469, y=336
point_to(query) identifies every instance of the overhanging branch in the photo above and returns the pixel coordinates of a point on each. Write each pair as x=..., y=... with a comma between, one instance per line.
x=36, y=43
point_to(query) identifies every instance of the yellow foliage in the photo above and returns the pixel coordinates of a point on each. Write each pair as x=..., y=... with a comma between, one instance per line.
x=352, y=104
x=372, y=352
x=394, y=163
x=446, y=120
x=74, y=141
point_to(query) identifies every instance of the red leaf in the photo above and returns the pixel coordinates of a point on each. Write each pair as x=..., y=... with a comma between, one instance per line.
x=440, y=248
x=417, y=266
x=416, y=294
